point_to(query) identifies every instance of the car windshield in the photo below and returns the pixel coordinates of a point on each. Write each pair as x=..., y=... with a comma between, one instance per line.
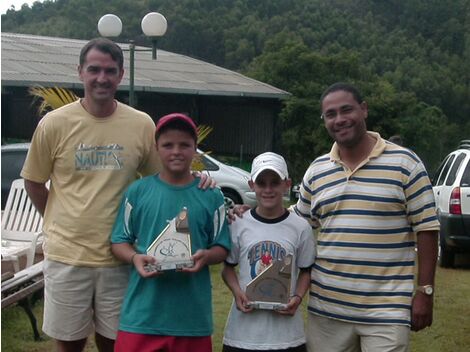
x=209, y=165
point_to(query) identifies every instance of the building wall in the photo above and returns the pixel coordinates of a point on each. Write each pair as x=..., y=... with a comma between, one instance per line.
x=19, y=114
x=240, y=125
x=244, y=126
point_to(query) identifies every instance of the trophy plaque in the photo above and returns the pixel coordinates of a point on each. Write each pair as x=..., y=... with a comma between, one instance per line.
x=271, y=288
x=172, y=247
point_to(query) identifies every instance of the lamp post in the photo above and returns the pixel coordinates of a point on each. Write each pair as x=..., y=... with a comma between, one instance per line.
x=153, y=25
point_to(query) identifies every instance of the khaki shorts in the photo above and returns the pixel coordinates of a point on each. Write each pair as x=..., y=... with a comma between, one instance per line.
x=80, y=300
x=327, y=335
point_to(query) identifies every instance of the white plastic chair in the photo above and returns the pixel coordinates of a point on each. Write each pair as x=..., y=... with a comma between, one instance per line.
x=21, y=227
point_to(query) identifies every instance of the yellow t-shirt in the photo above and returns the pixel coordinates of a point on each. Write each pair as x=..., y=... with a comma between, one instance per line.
x=90, y=162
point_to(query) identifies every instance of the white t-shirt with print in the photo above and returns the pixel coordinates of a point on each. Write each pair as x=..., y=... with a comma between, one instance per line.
x=255, y=242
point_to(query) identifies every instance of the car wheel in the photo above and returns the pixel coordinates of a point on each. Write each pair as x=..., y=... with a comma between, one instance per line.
x=231, y=198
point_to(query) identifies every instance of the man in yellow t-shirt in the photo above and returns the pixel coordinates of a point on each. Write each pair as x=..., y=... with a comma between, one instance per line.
x=90, y=150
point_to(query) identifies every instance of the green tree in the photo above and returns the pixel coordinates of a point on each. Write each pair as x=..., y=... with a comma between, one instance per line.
x=410, y=58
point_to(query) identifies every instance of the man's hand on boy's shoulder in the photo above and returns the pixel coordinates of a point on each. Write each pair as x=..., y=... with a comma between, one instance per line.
x=206, y=180
x=237, y=211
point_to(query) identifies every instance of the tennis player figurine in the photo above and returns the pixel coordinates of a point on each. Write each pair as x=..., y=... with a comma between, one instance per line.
x=172, y=247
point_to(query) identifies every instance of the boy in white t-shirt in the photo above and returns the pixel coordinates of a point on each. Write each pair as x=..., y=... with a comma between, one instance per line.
x=266, y=233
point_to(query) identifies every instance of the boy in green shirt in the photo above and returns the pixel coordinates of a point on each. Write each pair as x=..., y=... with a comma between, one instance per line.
x=171, y=310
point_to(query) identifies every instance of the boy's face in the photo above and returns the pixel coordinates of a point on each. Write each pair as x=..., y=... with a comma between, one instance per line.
x=269, y=189
x=176, y=150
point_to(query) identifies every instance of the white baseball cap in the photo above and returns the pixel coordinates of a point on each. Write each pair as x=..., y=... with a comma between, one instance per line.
x=269, y=161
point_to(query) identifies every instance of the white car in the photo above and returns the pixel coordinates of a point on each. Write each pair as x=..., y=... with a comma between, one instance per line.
x=232, y=180
x=451, y=187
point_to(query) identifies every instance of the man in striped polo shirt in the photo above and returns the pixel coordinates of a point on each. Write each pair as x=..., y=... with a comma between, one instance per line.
x=370, y=202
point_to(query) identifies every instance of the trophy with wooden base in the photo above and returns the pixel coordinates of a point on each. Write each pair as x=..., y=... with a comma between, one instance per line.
x=172, y=247
x=271, y=288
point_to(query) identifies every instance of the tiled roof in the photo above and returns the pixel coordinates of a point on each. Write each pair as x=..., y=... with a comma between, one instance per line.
x=29, y=59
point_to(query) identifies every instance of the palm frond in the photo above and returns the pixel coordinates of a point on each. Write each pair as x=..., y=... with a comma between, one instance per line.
x=197, y=164
x=202, y=132
x=52, y=98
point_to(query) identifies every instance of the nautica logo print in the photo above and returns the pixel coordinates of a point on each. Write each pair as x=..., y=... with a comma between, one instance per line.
x=105, y=157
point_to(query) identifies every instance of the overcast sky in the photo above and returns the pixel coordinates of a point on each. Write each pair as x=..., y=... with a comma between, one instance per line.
x=6, y=4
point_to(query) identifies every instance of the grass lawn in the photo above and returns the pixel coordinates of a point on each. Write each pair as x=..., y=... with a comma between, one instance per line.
x=450, y=331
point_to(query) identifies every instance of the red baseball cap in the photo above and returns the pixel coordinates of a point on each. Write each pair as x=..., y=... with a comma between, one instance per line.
x=176, y=117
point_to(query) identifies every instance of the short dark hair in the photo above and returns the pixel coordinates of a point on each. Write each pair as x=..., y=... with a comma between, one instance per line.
x=341, y=86
x=397, y=139
x=105, y=46
x=177, y=125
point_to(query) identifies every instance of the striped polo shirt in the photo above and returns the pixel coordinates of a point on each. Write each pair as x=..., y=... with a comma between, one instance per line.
x=366, y=222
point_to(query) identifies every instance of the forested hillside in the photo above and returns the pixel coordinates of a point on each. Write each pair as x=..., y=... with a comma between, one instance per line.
x=411, y=58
